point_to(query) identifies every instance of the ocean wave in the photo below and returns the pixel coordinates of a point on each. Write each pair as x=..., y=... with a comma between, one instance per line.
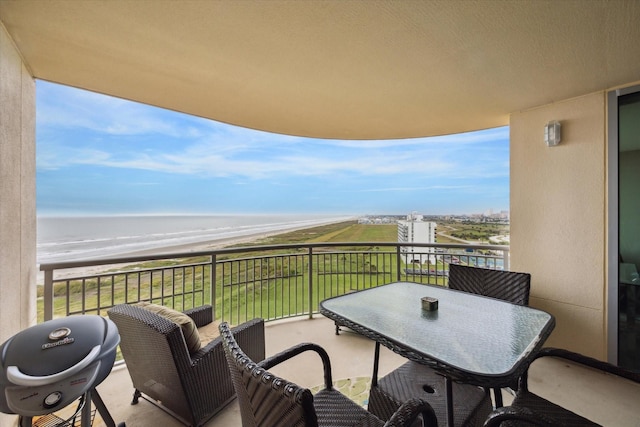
x=69, y=244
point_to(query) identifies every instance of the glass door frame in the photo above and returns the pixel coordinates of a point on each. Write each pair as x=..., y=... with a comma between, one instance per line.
x=613, y=226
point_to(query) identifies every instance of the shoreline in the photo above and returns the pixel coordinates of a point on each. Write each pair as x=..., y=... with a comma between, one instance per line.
x=213, y=244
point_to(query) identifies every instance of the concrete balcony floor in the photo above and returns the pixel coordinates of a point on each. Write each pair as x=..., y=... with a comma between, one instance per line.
x=608, y=401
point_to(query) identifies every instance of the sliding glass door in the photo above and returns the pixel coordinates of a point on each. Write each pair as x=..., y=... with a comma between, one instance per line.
x=624, y=227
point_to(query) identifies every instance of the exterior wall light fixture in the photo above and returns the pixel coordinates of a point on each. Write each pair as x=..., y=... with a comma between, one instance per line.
x=552, y=131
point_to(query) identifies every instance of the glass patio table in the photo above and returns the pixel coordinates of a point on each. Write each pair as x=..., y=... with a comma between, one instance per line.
x=469, y=338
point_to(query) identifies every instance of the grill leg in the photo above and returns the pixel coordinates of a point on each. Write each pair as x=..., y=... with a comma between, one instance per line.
x=102, y=409
x=86, y=410
x=25, y=421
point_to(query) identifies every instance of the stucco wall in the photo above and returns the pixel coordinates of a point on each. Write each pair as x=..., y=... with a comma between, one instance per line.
x=17, y=192
x=558, y=206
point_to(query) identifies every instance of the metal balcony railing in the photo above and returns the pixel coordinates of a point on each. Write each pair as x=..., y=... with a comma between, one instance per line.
x=272, y=282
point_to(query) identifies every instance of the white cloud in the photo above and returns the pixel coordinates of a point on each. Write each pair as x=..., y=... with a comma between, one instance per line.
x=245, y=161
x=409, y=189
x=68, y=108
x=211, y=149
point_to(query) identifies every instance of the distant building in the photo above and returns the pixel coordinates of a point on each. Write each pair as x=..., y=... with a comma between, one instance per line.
x=415, y=230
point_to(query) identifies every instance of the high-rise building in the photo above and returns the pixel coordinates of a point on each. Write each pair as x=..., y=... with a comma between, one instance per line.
x=415, y=230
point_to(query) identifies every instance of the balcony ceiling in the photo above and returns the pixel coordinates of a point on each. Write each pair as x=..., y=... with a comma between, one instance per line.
x=333, y=69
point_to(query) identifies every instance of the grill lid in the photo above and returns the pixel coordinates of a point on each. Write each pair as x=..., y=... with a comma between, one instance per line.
x=48, y=366
x=56, y=345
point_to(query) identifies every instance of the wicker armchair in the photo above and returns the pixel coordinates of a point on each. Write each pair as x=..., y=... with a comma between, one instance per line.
x=190, y=387
x=471, y=404
x=529, y=409
x=269, y=401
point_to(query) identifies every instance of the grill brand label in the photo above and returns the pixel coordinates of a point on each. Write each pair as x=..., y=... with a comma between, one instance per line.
x=58, y=343
x=78, y=381
x=34, y=394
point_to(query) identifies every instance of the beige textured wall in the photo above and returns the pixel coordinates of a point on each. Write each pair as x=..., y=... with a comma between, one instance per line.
x=558, y=220
x=17, y=192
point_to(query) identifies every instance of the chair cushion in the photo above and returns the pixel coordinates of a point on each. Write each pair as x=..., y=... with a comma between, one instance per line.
x=188, y=326
x=208, y=333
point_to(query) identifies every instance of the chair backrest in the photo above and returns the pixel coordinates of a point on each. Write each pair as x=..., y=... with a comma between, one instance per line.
x=505, y=285
x=265, y=399
x=155, y=352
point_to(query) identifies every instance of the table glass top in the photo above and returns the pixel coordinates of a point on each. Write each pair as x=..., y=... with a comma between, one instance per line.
x=469, y=332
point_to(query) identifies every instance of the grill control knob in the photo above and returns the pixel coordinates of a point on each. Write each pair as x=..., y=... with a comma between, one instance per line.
x=52, y=399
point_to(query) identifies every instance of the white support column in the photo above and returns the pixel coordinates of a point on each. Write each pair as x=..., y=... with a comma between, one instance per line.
x=17, y=192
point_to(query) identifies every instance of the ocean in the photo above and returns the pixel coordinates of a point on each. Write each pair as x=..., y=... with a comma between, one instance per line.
x=74, y=238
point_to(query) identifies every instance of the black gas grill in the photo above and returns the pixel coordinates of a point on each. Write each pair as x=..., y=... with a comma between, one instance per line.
x=56, y=363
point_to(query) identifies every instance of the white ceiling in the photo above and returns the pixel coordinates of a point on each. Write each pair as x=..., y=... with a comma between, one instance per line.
x=334, y=69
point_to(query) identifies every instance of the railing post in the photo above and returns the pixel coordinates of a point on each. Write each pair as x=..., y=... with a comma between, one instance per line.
x=48, y=295
x=310, y=275
x=213, y=279
x=398, y=258
x=505, y=259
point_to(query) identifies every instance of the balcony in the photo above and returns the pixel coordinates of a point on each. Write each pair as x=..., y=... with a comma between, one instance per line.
x=549, y=227
x=579, y=389
x=283, y=284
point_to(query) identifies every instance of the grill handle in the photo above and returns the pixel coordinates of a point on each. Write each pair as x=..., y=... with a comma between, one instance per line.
x=17, y=377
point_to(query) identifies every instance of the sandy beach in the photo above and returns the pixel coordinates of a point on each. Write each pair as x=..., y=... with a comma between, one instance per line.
x=213, y=244
x=208, y=245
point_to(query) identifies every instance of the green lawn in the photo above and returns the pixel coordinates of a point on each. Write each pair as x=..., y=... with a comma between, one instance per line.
x=283, y=278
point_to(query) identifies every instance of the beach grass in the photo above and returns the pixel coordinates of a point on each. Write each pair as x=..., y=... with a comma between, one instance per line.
x=90, y=293
x=185, y=287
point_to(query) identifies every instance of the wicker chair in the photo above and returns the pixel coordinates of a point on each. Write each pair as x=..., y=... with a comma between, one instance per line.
x=509, y=286
x=190, y=387
x=269, y=401
x=529, y=409
x=471, y=404
x=505, y=285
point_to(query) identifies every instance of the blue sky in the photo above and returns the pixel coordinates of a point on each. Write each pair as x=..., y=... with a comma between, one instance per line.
x=103, y=155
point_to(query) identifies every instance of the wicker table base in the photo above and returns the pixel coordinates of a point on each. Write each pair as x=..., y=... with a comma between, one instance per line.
x=471, y=404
